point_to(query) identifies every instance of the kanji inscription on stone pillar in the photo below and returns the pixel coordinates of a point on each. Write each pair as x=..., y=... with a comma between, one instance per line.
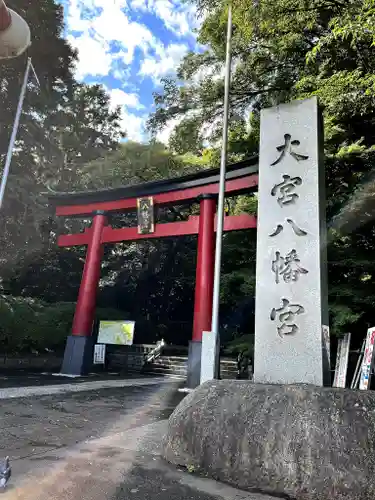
x=291, y=277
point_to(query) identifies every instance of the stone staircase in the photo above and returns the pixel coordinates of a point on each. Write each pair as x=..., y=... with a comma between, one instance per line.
x=166, y=360
x=168, y=365
x=228, y=368
x=176, y=366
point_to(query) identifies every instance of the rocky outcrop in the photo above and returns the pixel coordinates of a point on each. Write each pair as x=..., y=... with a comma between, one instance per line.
x=302, y=442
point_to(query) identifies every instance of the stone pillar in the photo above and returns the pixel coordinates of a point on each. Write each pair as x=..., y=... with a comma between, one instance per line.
x=203, y=285
x=79, y=346
x=291, y=312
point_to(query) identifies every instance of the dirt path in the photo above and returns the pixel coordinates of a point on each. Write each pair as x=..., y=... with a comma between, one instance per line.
x=98, y=445
x=38, y=426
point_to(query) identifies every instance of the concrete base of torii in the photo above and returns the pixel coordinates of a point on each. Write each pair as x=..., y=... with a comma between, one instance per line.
x=194, y=364
x=78, y=355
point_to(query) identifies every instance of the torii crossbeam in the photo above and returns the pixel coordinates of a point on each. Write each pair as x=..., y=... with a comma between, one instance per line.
x=199, y=187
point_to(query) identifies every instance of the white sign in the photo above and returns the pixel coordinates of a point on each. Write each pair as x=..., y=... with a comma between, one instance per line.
x=116, y=332
x=99, y=354
x=209, y=357
x=291, y=298
x=342, y=361
x=367, y=360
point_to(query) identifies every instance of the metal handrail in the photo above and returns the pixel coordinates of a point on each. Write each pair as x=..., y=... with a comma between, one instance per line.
x=155, y=353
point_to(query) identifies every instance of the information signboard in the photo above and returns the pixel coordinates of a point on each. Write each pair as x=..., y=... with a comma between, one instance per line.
x=116, y=332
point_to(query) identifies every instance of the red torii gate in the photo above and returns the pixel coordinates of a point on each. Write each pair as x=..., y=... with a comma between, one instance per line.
x=202, y=186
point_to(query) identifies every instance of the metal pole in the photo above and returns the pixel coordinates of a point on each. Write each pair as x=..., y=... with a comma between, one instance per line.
x=14, y=132
x=223, y=164
x=35, y=75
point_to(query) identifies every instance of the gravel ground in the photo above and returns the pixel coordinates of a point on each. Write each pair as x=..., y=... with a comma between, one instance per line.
x=100, y=444
x=37, y=425
x=82, y=386
x=25, y=378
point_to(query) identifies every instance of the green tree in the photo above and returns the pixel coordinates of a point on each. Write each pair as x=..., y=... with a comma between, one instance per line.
x=134, y=163
x=64, y=125
x=293, y=49
x=138, y=278
x=187, y=138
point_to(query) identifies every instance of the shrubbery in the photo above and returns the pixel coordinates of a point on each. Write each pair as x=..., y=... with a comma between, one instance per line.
x=28, y=325
x=241, y=344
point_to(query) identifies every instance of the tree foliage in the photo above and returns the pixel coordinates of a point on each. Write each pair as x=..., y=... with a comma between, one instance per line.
x=64, y=125
x=137, y=278
x=29, y=324
x=134, y=163
x=294, y=49
x=282, y=50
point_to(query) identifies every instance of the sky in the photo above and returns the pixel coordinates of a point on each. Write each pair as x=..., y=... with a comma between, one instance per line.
x=128, y=46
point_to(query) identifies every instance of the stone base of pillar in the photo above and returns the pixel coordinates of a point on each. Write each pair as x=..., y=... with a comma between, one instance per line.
x=194, y=364
x=78, y=355
x=210, y=367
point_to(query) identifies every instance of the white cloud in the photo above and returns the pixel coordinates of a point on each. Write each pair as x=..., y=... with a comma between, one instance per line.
x=206, y=130
x=108, y=40
x=120, y=73
x=179, y=17
x=98, y=29
x=166, y=61
x=211, y=72
x=114, y=25
x=97, y=24
x=87, y=64
x=165, y=134
x=127, y=99
x=74, y=19
x=134, y=126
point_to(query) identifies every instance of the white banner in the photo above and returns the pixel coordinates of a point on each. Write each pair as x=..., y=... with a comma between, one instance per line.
x=367, y=360
x=99, y=354
x=342, y=361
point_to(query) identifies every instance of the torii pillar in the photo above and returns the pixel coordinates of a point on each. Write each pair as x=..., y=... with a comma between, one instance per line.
x=80, y=344
x=203, y=285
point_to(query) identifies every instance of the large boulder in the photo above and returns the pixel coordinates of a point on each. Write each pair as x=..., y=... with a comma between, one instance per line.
x=296, y=441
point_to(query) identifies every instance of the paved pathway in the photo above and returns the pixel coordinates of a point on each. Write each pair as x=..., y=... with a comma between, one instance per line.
x=33, y=426
x=103, y=443
x=26, y=378
x=21, y=392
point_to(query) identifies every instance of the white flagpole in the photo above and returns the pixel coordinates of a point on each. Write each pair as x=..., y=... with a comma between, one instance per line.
x=220, y=209
x=13, y=137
